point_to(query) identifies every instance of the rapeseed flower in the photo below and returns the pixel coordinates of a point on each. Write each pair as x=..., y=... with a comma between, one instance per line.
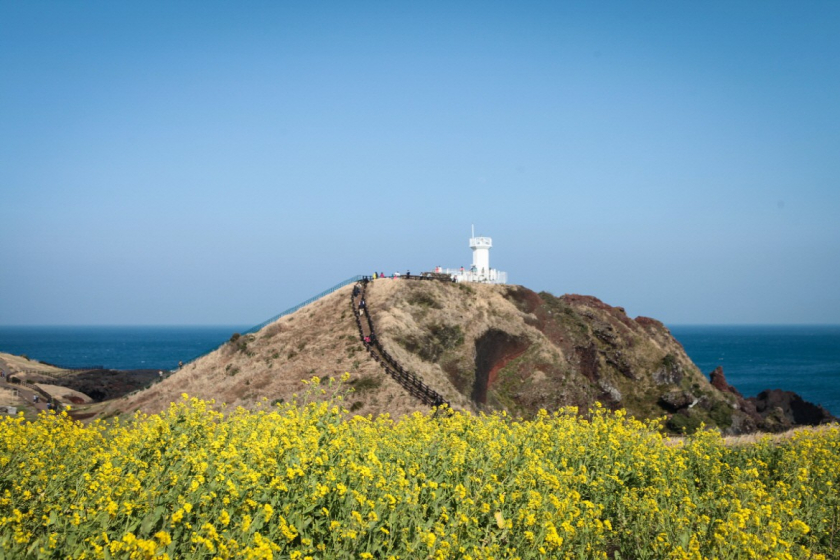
x=307, y=480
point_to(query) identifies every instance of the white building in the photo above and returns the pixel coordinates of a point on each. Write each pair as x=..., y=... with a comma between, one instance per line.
x=480, y=270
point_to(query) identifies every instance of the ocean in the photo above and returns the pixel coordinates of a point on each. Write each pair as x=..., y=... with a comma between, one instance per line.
x=803, y=359
x=115, y=347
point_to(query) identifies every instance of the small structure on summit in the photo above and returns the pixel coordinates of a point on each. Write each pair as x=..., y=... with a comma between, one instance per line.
x=480, y=270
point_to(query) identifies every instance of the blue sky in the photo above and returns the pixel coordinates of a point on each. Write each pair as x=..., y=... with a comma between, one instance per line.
x=218, y=162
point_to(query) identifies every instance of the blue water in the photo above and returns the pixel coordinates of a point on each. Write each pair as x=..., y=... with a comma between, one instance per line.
x=114, y=347
x=803, y=359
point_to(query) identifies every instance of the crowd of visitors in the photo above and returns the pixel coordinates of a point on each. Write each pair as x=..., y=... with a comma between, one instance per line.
x=436, y=275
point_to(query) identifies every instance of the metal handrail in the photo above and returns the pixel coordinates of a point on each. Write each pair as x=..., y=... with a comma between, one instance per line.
x=409, y=381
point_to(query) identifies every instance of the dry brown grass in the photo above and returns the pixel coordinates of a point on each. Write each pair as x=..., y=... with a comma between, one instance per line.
x=401, y=310
x=21, y=366
x=751, y=439
x=64, y=394
x=320, y=339
x=8, y=398
x=758, y=437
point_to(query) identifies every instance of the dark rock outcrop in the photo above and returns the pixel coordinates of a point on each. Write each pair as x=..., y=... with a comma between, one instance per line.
x=783, y=410
x=772, y=410
x=677, y=400
x=101, y=384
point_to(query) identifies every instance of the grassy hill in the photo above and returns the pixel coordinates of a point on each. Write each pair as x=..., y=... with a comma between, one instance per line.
x=483, y=347
x=319, y=339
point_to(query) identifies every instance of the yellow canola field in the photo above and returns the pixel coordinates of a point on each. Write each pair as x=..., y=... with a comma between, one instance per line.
x=304, y=480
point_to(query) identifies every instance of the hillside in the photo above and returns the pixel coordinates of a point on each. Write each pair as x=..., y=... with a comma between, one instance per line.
x=24, y=378
x=481, y=347
x=320, y=339
x=507, y=347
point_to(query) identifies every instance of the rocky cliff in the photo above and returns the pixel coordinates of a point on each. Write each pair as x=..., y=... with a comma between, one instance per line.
x=507, y=347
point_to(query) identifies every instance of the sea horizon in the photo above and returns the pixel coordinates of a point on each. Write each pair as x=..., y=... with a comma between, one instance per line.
x=119, y=347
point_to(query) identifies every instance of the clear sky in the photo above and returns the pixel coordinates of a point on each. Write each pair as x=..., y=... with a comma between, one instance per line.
x=217, y=162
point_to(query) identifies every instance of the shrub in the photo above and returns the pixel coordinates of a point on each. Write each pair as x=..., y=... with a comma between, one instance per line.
x=466, y=288
x=430, y=346
x=670, y=362
x=366, y=383
x=422, y=298
x=240, y=343
x=683, y=422
x=721, y=414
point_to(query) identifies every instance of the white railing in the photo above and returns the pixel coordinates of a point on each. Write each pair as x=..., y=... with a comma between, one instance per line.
x=491, y=276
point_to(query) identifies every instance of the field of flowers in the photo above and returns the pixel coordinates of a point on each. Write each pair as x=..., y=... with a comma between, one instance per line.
x=305, y=480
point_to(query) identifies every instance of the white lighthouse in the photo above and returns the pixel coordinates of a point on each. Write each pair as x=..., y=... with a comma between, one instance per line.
x=481, y=252
x=480, y=270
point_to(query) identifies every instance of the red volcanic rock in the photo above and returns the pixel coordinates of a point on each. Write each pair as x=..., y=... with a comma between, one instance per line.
x=719, y=382
x=648, y=322
x=652, y=325
x=586, y=300
x=618, y=313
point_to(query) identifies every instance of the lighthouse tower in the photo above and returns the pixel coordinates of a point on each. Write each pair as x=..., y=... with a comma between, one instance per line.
x=481, y=254
x=480, y=270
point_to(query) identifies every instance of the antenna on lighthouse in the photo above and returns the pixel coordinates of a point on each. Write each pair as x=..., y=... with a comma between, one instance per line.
x=473, y=230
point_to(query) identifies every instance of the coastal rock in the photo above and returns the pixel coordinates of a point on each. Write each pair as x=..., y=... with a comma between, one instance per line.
x=719, y=382
x=609, y=391
x=670, y=373
x=783, y=410
x=676, y=400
